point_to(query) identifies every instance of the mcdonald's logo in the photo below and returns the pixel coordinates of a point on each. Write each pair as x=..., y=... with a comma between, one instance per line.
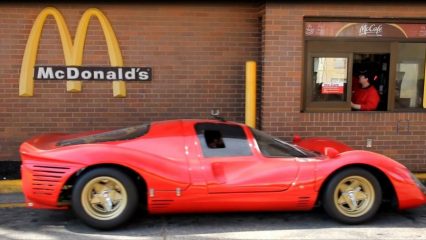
x=73, y=54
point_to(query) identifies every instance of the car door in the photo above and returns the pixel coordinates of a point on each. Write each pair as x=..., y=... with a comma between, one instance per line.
x=232, y=164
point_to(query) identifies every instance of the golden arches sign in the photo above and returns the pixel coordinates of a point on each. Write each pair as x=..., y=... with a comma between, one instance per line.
x=73, y=52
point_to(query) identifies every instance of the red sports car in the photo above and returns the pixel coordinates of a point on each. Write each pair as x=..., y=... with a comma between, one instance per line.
x=208, y=166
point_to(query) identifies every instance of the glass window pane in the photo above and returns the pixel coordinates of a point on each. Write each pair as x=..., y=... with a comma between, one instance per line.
x=222, y=140
x=274, y=147
x=410, y=75
x=330, y=78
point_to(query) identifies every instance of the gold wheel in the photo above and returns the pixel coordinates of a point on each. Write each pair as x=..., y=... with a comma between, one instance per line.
x=354, y=196
x=104, y=198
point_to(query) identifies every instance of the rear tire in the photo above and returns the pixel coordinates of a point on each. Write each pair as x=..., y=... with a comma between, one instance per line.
x=104, y=198
x=352, y=196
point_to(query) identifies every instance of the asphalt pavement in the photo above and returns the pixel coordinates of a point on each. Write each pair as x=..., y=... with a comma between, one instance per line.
x=19, y=222
x=25, y=223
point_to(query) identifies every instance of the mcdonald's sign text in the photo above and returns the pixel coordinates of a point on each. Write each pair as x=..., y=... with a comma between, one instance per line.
x=92, y=73
x=73, y=72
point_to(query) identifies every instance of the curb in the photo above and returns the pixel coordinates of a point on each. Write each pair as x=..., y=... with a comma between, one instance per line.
x=421, y=176
x=10, y=186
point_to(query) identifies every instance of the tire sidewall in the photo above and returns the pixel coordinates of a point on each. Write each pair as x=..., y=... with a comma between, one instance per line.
x=328, y=197
x=126, y=181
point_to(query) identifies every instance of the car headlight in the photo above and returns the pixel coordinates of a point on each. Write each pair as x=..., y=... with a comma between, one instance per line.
x=418, y=183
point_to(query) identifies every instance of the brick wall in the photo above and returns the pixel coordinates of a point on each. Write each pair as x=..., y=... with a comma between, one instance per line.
x=398, y=135
x=197, y=53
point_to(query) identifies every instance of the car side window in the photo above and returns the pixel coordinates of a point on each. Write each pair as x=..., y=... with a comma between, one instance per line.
x=222, y=140
x=273, y=147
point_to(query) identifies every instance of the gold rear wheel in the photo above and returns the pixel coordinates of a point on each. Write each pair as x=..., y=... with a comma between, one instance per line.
x=104, y=198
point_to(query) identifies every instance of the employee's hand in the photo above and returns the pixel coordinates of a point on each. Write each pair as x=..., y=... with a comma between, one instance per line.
x=355, y=106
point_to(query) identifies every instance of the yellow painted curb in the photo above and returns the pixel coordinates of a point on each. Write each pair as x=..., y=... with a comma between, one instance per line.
x=10, y=186
x=421, y=176
x=12, y=205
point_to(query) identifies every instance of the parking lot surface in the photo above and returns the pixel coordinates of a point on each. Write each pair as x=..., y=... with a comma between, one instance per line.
x=24, y=223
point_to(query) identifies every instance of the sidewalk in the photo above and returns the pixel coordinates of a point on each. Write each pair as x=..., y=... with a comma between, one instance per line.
x=11, y=192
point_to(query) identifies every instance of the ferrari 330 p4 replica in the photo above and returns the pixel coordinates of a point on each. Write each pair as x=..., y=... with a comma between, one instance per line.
x=190, y=166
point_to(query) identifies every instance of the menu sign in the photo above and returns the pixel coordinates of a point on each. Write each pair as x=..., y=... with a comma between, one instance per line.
x=365, y=30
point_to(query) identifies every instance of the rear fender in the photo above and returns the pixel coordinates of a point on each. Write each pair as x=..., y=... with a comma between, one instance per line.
x=159, y=172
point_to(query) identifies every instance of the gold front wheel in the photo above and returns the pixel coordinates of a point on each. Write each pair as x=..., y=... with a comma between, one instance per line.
x=352, y=196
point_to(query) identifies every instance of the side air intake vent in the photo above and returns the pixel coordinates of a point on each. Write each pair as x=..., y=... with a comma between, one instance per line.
x=46, y=179
x=304, y=202
x=161, y=203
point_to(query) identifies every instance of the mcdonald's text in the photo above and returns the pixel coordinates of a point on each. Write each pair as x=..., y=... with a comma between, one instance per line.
x=92, y=73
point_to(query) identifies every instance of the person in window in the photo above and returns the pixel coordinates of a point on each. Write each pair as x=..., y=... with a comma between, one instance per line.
x=214, y=139
x=365, y=97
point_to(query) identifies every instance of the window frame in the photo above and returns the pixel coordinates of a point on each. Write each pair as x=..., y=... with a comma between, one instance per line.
x=312, y=106
x=393, y=75
x=337, y=43
x=332, y=47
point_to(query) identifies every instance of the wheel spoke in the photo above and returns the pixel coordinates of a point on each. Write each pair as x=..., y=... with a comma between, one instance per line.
x=342, y=200
x=115, y=196
x=355, y=184
x=343, y=188
x=99, y=188
x=96, y=199
x=360, y=196
x=110, y=185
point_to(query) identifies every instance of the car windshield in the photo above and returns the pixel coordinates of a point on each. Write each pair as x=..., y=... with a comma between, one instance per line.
x=274, y=147
x=114, y=135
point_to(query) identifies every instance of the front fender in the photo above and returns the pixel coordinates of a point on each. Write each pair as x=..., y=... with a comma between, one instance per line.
x=407, y=192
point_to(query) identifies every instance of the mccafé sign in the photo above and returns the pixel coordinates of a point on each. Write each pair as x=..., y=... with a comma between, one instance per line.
x=73, y=72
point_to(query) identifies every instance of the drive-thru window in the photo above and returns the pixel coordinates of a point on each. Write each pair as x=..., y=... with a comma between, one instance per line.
x=337, y=50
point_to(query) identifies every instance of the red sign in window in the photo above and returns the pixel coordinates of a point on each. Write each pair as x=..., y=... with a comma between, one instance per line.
x=328, y=88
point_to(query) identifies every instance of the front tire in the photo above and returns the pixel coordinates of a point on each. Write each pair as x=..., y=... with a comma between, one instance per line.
x=352, y=196
x=104, y=198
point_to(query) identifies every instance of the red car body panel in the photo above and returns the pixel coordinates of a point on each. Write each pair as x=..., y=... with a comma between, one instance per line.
x=179, y=178
x=319, y=144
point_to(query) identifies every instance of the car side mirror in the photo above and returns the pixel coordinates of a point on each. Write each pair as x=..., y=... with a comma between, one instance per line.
x=330, y=152
x=296, y=138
